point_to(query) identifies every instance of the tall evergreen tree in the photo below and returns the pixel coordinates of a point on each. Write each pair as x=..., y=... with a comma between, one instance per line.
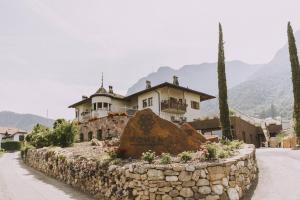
x=295, y=68
x=223, y=103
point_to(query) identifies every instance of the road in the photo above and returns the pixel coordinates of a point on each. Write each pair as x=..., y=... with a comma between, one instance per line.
x=279, y=177
x=19, y=182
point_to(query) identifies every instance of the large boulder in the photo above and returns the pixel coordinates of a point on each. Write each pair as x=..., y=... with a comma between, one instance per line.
x=147, y=131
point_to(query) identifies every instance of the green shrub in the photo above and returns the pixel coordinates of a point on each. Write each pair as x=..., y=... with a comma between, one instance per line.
x=148, y=156
x=25, y=149
x=11, y=145
x=212, y=151
x=235, y=144
x=113, y=154
x=165, y=158
x=185, y=156
x=64, y=134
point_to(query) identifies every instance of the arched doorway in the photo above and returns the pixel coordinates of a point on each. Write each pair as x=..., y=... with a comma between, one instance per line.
x=90, y=135
x=99, y=134
x=81, y=137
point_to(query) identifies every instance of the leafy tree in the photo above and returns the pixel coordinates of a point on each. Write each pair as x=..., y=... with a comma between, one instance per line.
x=295, y=68
x=58, y=122
x=223, y=102
x=64, y=134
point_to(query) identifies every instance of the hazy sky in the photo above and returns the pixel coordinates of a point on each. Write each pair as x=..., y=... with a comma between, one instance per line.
x=53, y=51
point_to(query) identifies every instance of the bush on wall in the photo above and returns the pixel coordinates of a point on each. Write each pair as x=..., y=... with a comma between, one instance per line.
x=63, y=134
x=11, y=145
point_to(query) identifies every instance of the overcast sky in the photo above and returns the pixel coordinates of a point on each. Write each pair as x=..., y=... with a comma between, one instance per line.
x=53, y=51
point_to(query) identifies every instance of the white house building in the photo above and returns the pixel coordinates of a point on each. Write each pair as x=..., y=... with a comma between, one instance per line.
x=13, y=134
x=168, y=100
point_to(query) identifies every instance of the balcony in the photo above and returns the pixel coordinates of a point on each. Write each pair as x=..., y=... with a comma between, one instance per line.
x=173, y=106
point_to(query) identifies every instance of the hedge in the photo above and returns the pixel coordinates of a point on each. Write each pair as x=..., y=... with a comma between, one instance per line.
x=11, y=145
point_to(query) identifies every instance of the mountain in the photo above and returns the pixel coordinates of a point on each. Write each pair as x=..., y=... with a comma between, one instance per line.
x=201, y=77
x=257, y=90
x=271, y=85
x=23, y=121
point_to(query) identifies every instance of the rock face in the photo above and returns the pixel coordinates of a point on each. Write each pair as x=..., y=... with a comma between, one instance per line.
x=228, y=179
x=147, y=131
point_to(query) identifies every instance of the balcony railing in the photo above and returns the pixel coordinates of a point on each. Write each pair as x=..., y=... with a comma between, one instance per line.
x=173, y=106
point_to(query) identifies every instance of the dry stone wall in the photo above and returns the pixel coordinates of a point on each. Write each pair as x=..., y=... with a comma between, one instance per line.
x=226, y=179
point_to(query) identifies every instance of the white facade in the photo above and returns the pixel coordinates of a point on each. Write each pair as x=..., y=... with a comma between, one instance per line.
x=169, y=101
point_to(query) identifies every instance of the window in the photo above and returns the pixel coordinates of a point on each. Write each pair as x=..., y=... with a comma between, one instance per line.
x=90, y=135
x=100, y=105
x=150, y=101
x=195, y=105
x=94, y=106
x=109, y=107
x=21, y=138
x=99, y=134
x=144, y=103
x=76, y=113
x=105, y=106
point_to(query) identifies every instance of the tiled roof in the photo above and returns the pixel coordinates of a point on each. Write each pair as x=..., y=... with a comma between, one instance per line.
x=11, y=131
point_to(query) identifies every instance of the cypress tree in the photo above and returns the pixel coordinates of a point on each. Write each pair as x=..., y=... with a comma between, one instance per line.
x=295, y=68
x=223, y=104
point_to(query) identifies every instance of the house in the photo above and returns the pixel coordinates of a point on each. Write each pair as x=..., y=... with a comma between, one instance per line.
x=170, y=101
x=244, y=128
x=13, y=134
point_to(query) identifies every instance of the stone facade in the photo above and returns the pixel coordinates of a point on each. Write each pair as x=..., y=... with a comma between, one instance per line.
x=224, y=179
x=103, y=128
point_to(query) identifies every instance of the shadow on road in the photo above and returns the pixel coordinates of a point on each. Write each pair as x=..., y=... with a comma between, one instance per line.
x=71, y=192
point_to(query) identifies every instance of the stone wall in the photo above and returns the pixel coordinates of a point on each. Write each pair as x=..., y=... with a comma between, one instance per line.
x=106, y=127
x=225, y=179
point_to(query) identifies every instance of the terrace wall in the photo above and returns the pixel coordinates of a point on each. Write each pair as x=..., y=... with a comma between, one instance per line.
x=224, y=179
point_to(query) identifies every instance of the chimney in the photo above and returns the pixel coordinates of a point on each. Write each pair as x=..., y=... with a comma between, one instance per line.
x=175, y=80
x=148, y=84
x=110, y=89
x=84, y=97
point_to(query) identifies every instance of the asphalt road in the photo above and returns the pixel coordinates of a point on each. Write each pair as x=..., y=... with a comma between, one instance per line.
x=279, y=177
x=19, y=182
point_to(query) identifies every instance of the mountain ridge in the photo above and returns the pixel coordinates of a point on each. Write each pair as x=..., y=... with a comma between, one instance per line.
x=23, y=121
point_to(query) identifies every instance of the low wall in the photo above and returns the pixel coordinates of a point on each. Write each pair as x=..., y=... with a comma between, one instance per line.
x=226, y=179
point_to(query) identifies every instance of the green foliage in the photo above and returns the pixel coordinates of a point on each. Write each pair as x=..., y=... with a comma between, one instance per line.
x=235, y=144
x=223, y=150
x=2, y=151
x=113, y=154
x=212, y=151
x=148, y=156
x=185, y=156
x=280, y=136
x=62, y=135
x=295, y=68
x=165, y=158
x=11, y=145
x=58, y=122
x=25, y=149
x=223, y=102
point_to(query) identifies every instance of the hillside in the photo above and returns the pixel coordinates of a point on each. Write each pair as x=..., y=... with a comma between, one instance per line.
x=200, y=77
x=22, y=121
x=252, y=88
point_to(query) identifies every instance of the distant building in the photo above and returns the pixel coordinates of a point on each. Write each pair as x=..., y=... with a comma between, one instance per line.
x=170, y=101
x=13, y=134
x=244, y=128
